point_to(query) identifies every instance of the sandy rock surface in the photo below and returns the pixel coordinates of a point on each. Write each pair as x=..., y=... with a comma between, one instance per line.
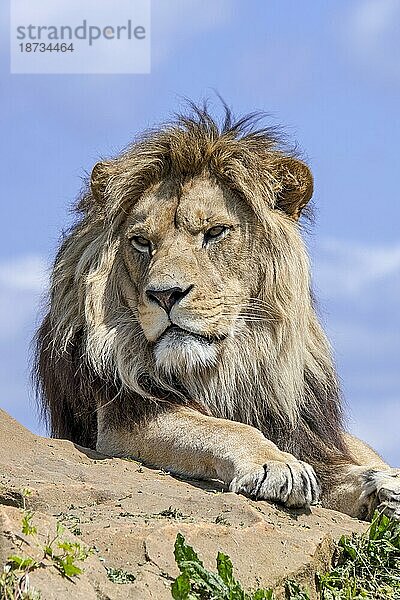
x=131, y=515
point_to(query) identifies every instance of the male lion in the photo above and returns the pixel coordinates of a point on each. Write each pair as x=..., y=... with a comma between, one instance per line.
x=181, y=328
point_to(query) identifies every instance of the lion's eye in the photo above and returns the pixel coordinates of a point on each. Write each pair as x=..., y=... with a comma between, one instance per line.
x=141, y=243
x=216, y=233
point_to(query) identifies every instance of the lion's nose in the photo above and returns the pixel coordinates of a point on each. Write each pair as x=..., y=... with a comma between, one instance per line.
x=167, y=298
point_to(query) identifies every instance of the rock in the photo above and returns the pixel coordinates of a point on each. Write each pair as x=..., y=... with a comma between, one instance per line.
x=93, y=583
x=131, y=515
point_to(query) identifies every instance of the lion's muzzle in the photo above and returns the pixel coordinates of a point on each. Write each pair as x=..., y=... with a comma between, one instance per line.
x=167, y=298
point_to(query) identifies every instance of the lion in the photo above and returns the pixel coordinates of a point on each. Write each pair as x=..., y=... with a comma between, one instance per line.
x=182, y=330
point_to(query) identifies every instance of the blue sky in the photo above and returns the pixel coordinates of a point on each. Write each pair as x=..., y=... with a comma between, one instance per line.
x=328, y=71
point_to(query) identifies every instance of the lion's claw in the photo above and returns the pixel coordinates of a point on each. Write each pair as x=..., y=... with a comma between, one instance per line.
x=293, y=484
x=382, y=489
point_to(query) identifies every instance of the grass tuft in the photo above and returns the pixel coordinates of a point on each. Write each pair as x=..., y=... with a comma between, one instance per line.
x=365, y=566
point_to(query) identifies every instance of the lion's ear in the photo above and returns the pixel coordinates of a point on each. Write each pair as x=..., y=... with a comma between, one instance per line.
x=98, y=180
x=294, y=186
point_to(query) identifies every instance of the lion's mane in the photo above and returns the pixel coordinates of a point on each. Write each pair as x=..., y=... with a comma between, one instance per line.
x=90, y=349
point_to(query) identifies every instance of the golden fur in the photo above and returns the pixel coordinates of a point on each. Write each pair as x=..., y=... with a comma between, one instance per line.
x=191, y=350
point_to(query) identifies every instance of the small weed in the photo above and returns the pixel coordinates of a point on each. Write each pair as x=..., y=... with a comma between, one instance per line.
x=64, y=555
x=172, y=513
x=57, y=553
x=72, y=522
x=119, y=576
x=27, y=527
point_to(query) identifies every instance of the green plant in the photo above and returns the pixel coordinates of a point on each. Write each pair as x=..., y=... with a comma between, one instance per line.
x=295, y=592
x=173, y=513
x=119, y=576
x=366, y=566
x=56, y=553
x=27, y=527
x=14, y=579
x=70, y=521
x=197, y=583
x=64, y=555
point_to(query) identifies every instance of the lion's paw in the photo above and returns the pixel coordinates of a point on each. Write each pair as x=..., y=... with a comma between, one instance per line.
x=293, y=484
x=381, y=490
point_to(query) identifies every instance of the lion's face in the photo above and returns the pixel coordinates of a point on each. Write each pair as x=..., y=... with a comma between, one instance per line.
x=188, y=259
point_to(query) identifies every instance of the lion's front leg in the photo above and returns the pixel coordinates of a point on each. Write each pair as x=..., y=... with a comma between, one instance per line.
x=184, y=441
x=362, y=488
x=382, y=489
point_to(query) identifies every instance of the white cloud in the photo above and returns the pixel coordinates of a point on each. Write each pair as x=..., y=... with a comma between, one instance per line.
x=345, y=268
x=362, y=283
x=26, y=273
x=22, y=282
x=371, y=18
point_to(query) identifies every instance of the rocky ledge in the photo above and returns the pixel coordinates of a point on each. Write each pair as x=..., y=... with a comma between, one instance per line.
x=131, y=515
